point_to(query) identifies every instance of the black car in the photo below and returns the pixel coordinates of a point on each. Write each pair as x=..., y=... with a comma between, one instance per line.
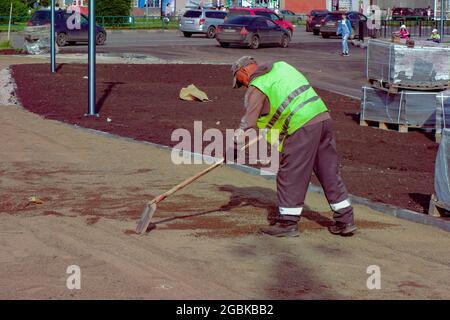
x=251, y=31
x=67, y=32
x=314, y=21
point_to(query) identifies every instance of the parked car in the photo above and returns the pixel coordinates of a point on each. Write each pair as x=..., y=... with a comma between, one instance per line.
x=290, y=16
x=252, y=31
x=262, y=12
x=314, y=21
x=201, y=21
x=330, y=22
x=403, y=14
x=64, y=34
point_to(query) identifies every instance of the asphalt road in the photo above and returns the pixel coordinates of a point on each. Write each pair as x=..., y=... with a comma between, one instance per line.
x=318, y=58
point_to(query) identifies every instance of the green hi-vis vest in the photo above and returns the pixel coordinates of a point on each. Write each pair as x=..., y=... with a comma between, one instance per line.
x=293, y=102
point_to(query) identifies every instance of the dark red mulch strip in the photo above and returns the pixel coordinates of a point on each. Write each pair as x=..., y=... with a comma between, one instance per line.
x=142, y=102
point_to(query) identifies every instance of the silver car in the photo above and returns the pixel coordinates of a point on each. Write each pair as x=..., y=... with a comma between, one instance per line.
x=201, y=21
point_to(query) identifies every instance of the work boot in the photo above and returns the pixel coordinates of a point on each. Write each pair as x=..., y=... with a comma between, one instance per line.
x=282, y=229
x=341, y=228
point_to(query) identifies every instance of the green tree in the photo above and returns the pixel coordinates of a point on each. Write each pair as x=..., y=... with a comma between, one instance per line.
x=20, y=9
x=113, y=7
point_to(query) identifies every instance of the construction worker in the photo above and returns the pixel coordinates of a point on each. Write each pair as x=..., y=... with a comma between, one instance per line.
x=281, y=100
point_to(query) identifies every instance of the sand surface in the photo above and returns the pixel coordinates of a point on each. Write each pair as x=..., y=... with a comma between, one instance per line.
x=205, y=244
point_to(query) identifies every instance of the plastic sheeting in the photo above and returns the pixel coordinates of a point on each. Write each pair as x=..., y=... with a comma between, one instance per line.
x=424, y=65
x=412, y=108
x=442, y=169
x=37, y=40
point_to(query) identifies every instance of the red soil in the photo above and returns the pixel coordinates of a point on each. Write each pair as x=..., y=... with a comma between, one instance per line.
x=11, y=51
x=142, y=103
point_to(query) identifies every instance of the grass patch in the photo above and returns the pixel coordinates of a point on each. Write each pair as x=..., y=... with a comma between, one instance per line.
x=5, y=44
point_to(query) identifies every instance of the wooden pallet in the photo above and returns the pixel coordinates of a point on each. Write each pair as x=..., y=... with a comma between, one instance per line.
x=437, y=208
x=384, y=125
x=402, y=128
x=395, y=88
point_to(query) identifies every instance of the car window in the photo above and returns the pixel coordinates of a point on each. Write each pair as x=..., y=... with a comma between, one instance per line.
x=41, y=15
x=262, y=13
x=260, y=23
x=192, y=14
x=221, y=15
x=271, y=24
x=210, y=15
x=234, y=13
x=245, y=20
x=333, y=17
x=273, y=16
x=84, y=19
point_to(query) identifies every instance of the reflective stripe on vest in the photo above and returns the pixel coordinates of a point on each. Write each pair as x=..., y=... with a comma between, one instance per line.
x=293, y=102
x=284, y=130
x=294, y=94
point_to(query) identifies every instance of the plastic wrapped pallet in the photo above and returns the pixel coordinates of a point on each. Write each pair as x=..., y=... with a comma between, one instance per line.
x=425, y=65
x=443, y=109
x=442, y=169
x=412, y=108
x=37, y=39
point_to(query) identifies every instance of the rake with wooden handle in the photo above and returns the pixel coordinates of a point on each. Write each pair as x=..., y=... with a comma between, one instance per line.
x=150, y=208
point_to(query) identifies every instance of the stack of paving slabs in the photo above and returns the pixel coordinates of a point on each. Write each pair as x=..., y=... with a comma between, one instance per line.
x=440, y=201
x=37, y=39
x=407, y=87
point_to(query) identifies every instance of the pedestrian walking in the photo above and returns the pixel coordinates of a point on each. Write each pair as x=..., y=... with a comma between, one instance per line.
x=345, y=30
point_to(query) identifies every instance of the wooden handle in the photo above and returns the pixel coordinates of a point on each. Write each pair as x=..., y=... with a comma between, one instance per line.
x=198, y=175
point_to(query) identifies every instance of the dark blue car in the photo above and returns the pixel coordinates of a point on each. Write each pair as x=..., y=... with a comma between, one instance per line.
x=66, y=33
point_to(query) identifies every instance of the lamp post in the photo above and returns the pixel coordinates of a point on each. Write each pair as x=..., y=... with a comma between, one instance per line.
x=52, y=38
x=91, y=60
x=443, y=16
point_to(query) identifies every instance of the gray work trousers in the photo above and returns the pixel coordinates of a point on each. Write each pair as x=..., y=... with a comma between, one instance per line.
x=311, y=148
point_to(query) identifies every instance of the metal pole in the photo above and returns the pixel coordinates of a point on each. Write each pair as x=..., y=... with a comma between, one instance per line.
x=9, y=25
x=52, y=38
x=443, y=16
x=91, y=60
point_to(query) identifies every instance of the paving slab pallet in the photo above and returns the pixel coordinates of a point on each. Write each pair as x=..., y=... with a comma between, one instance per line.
x=402, y=128
x=396, y=88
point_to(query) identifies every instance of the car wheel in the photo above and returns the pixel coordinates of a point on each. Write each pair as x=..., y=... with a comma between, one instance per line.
x=211, y=33
x=187, y=34
x=325, y=35
x=284, y=41
x=254, y=44
x=61, y=39
x=224, y=44
x=100, y=38
x=316, y=32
